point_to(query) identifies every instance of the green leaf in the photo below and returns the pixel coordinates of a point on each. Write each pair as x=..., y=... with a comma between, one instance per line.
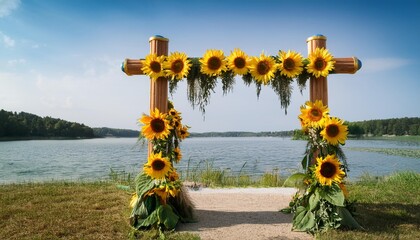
x=144, y=183
x=149, y=221
x=300, y=213
x=295, y=180
x=308, y=221
x=314, y=200
x=347, y=219
x=305, y=161
x=287, y=210
x=333, y=195
x=167, y=217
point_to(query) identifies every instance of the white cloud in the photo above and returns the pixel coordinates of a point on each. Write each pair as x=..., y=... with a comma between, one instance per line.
x=7, y=6
x=15, y=62
x=383, y=64
x=7, y=41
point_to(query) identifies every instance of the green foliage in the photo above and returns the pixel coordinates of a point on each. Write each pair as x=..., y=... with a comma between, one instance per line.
x=115, y=132
x=393, y=126
x=21, y=125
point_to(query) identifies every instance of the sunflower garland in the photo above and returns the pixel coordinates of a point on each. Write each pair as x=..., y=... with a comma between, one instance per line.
x=202, y=73
x=322, y=200
x=158, y=200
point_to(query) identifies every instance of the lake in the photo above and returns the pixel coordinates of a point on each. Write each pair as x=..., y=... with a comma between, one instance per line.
x=92, y=159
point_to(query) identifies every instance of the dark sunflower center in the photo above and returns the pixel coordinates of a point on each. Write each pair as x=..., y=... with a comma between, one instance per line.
x=157, y=125
x=158, y=165
x=320, y=64
x=177, y=66
x=214, y=63
x=289, y=64
x=328, y=169
x=332, y=130
x=155, y=66
x=316, y=114
x=263, y=67
x=239, y=62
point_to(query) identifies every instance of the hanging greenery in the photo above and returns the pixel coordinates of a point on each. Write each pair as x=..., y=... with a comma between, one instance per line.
x=277, y=72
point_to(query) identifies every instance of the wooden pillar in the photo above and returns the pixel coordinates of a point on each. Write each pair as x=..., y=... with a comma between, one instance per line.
x=159, y=87
x=318, y=86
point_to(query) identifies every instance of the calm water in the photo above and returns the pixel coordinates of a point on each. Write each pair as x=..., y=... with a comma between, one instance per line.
x=43, y=160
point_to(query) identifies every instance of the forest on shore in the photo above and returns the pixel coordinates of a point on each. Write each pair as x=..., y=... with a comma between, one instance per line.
x=24, y=125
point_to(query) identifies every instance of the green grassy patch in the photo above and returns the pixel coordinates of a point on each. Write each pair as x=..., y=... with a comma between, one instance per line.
x=387, y=208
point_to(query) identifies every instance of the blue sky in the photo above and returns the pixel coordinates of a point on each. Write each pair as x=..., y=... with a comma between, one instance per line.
x=62, y=58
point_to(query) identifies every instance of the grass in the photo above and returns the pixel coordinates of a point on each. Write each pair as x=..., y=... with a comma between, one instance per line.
x=388, y=208
x=209, y=176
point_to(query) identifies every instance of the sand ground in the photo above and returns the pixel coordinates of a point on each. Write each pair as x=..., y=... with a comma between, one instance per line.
x=247, y=213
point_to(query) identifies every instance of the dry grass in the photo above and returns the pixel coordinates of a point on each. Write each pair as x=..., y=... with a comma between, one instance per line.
x=63, y=210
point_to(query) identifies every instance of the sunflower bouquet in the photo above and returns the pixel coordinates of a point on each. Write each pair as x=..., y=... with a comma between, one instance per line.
x=321, y=202
x=158, y=200
x=277, y=71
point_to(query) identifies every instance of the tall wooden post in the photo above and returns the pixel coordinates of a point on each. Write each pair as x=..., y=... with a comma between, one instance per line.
x=159, y=87
x=318, y=86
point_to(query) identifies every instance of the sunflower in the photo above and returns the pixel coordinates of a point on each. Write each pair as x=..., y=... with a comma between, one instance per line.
x=328, y=170
x=313, y=114
x=238, y=62
x=320, y=62
x=152, y=66
x=176, y=116
x=177, y=66
x=161, y=192
x=334, y=131
x=155, y=126
x=213, y=62
x=177, y=154
x=183, y=132
x=157, y=167
x=262, y=68
x=173, y=176
x=291, y=64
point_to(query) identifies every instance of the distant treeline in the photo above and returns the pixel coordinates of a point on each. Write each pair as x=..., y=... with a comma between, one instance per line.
x=243, y=134
x=112, y=132
x=27, y=125
x=379, y=127
x=393, y=126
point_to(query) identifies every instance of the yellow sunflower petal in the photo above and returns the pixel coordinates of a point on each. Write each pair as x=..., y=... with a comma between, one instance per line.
x=213, y=62
x=238, y=62
x=156, y=126
x=157, y=167
x=263, y=68
x=328, y=170
x=153, y=66
x=313, y=114
x=334, y=131
x=177, y=66
x=320, y=63
x=291, y=63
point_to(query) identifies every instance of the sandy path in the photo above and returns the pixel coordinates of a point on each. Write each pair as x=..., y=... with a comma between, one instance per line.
x=249, y=213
